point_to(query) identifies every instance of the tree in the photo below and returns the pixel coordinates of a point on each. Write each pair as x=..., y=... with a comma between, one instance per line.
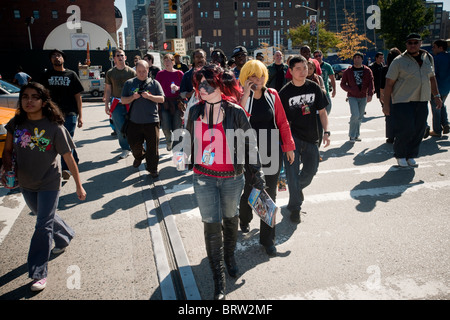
x=402, y=17
x=350, y=40
x=301, y=36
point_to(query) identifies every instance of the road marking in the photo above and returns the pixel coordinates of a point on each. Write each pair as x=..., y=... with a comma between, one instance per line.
x=371, y=192
x=11, y=206
x=392, y=288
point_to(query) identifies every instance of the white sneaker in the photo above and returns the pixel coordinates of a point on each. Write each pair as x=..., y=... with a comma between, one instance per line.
x=412, y=162
x=402, y=162
x=38, y=284
x=125, y=154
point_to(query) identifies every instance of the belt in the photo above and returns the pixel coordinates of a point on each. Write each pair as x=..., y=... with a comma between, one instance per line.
x=219, y=173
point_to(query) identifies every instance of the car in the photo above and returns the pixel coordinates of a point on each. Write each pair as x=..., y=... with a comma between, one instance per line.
x=339, y=69
x=9, y=94
x=6, y=114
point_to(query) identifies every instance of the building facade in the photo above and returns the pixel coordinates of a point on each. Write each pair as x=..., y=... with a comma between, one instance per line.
x=227, y=24
x=45, y=18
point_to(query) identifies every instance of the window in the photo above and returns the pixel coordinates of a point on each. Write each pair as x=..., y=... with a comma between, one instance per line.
x=244, y=32
x=17, y=14
x=54, y=14
x=263, y=13
x=198, y=4
x=217, y=4
x=36, y=14
x=216, y=14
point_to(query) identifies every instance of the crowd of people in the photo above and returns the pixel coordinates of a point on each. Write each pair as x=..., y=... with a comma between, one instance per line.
x=240, y=126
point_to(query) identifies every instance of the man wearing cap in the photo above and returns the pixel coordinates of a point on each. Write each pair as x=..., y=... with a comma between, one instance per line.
x=65, y=89
x=179, y=65
x=358, y=82
x=240, y=58
x=410, y=81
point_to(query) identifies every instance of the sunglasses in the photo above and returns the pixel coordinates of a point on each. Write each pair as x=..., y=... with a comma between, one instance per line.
x=413, y=43
x=317, y=55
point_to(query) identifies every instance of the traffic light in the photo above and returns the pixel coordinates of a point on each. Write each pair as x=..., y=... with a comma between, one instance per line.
x=173, y=6
x=168, y=45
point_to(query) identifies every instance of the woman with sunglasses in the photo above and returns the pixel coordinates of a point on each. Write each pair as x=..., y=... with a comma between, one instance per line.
x=220, y=145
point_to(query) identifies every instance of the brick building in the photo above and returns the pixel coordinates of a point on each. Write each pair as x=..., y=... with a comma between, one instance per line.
x=47, y=15
x=226, y=24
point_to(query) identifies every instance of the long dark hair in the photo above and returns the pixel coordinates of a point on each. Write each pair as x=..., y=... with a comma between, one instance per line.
x=221, y=78
x=49, y=109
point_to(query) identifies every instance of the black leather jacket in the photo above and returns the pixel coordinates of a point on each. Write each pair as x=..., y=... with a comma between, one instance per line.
x=241, y=144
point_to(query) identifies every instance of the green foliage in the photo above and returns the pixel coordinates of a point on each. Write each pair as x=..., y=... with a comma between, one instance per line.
x=402, y=17
x=301, y=36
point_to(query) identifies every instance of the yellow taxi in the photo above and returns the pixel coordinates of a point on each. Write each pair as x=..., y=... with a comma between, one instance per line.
x=6, y=114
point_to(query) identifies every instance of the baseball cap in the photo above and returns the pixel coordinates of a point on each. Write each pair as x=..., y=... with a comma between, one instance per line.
x=413, y=36
x=238, y=50
x=58, y=51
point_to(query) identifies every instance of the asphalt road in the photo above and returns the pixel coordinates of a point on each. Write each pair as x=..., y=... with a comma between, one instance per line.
x=369, y=229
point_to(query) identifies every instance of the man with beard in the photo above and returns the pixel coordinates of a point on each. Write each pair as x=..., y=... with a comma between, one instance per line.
x=65, y=89
x=240, y=58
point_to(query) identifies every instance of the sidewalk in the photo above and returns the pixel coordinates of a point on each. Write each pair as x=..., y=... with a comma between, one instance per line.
x=111, y=255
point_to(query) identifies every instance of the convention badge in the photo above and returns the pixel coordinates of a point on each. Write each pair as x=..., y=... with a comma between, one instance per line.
x=305, y=109
x=208, y=157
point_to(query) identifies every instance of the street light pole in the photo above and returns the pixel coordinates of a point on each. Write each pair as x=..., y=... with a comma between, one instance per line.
x=28, y=22
x=317, y=11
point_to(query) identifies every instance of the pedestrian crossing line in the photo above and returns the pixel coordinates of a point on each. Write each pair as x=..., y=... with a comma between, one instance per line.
x=384, y=168
x=11, y=207
x=403, y=287
x=371, y=192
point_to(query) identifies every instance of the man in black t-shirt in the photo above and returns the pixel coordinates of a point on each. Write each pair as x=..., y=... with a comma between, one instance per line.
x=301, y=99
x=65, y=89
x=277, y=72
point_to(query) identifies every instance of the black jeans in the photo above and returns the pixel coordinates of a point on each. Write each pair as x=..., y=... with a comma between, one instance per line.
x=267, y=234
x=137, y=133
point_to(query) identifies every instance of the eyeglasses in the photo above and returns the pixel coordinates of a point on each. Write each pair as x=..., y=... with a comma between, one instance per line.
x=317, y=55
x=413, y=43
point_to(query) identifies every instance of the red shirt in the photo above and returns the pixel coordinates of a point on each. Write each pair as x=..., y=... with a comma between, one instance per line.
x=218, y=145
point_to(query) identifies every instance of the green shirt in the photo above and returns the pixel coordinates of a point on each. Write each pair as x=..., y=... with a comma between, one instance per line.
x=116, y=78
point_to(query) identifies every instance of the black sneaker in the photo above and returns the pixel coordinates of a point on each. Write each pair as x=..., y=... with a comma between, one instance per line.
x=245, y=227
x=271, y=250
x=137, y=163
x=446, y=129
x=295, y=216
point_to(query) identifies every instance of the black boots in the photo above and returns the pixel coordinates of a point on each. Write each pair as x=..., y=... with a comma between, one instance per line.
x=230, y=229
x=221, y=252
x=214, y=250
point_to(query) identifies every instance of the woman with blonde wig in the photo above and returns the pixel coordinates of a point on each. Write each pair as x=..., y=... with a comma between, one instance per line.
x=267, y=118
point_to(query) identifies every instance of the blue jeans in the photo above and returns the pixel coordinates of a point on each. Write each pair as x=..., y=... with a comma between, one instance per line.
x=357, y=108
x=410, y=121
x=307, y=155
x=217, y=198
x=118, y=117
x=170, y=122
x=49, y=227
x=440, y=117
x=70, y=124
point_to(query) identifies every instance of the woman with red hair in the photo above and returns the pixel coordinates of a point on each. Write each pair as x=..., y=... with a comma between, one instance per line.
x=222, y=144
